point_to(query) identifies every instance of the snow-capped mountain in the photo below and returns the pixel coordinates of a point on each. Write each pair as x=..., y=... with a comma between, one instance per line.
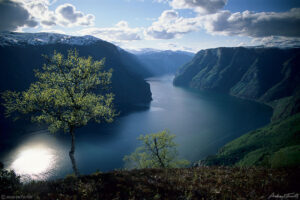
x=13, y=38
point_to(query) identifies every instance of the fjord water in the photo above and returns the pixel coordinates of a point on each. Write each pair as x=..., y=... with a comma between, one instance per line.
x=201, y=121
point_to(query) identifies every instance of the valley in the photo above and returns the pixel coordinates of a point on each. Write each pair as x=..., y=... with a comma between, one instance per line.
x=191, y=115
x=156, y=99
x=226, y=87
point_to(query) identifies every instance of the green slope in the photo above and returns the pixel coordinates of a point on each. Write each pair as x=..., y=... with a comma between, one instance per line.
x=275, y=145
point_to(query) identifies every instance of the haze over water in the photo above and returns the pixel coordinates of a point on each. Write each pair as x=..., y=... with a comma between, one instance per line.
x=202, y=122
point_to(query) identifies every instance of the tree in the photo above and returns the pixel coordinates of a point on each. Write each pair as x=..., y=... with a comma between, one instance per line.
x=63, y=97
x=158, y=150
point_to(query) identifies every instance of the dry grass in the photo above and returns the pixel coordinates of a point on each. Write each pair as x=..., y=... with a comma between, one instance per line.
x=187, y=183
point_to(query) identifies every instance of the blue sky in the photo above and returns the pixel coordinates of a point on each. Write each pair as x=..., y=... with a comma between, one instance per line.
x=163, y=24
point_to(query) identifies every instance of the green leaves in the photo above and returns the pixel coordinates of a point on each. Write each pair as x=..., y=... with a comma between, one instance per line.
x=64, y=94
x=158, y=150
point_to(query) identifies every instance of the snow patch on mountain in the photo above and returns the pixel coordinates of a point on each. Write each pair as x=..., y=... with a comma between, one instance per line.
x=13, y=38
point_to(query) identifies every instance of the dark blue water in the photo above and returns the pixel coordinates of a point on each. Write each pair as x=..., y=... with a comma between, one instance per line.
x=202, y=123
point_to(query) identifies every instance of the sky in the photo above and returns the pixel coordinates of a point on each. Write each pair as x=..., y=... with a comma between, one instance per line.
x=189, y=25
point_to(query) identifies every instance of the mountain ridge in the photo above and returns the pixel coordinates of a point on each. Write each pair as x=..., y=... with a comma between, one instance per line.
x=265, y=75
x=43, y=38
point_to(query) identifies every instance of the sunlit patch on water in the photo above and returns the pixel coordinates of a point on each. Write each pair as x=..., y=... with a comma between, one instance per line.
x=34, y=162
x=155, y=109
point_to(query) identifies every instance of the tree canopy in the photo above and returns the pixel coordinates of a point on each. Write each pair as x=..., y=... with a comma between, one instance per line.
x=64, y=94
x=69, y=92
x=158, y=150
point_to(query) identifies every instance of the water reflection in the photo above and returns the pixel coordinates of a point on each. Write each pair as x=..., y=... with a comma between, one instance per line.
x=38, y=157
x=34, y=162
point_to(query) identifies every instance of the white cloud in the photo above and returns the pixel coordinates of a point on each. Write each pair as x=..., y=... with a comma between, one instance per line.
x=39, y=9
x=252, y=24
x=169, y=25
x=277, y=41
x=65, y=15
x=267, y=28
x=200, y=6
x=121, y=32
x=68, y=16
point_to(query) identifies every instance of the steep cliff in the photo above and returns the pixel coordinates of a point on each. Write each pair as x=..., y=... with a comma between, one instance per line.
x=266, y=75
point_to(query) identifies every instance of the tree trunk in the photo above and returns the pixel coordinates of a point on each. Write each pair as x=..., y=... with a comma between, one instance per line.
x=72, y=151
x=162, y=165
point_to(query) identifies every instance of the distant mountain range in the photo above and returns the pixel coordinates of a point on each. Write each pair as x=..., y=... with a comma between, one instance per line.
x=267, y=75
x=159, y=62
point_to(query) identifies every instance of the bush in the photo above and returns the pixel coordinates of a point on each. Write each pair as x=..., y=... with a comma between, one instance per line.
x=10, y=183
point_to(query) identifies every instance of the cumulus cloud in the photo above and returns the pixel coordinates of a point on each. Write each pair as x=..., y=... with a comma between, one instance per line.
x=277, y=41
x=68, y=15
x=169, y=25
x=201, y=6
x=121, y=32
x=13, y=15
x=65, y=15
x=252, y=24
x=40, y=10
x=266, y=28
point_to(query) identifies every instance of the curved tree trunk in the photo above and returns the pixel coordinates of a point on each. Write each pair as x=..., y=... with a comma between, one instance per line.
x=72, y=151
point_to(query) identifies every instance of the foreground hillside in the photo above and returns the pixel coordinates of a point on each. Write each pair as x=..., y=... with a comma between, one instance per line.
x=275, y=145
x=267, y=75
x=189, y=183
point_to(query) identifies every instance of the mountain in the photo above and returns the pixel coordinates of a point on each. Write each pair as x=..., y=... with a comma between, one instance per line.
x=267, y=75
x=20, y=54
x=134, y=65
x=163, y=62
x=275, y=145
x=42, y=38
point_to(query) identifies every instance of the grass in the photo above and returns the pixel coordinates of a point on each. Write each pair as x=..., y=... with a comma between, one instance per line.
x=186, y=183
x=264, y=147
x=288, y=156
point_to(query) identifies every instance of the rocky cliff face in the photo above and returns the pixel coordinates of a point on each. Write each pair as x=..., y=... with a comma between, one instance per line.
x=262, y=74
